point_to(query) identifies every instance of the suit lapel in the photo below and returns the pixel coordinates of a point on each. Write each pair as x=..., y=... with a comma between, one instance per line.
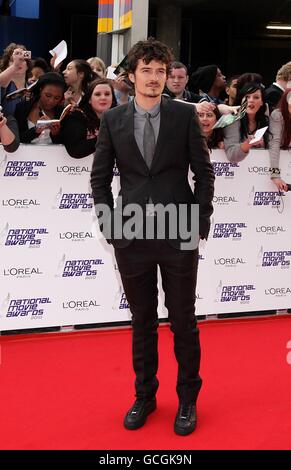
x=127, y=126
x=164, y=131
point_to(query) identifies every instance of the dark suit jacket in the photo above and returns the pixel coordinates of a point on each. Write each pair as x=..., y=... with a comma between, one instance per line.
x=180, y=144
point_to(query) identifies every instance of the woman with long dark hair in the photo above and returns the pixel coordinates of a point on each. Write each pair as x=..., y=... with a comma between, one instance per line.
x=207, y=120
x=280, y=129
x=45, y=104
x=80, y=128
x=78, y=74
x=238, y=136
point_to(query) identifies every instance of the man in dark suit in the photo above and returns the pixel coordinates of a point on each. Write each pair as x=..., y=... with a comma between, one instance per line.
x=275, y=91
x=154, y=140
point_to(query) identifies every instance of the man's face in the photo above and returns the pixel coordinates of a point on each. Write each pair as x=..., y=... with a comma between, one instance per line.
x=231, y=89
x=177, y=81
x=149, y=79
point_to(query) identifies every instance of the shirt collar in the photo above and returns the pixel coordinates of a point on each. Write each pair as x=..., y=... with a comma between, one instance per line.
x=154, y=111
x=279, y=86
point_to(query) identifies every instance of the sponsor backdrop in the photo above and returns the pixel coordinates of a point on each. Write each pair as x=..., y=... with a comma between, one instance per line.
x=56, y=270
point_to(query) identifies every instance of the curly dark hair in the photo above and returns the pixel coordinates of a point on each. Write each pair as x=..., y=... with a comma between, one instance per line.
x=93, y=121
x=149, y=50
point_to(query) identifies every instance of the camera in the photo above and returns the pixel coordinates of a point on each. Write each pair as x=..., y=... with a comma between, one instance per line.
x=27, y=54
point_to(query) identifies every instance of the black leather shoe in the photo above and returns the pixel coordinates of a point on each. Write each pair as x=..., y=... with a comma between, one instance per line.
x=138, y=413
x=186, y=419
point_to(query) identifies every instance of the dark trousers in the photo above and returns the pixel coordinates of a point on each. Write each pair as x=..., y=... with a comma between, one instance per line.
x=138, y=269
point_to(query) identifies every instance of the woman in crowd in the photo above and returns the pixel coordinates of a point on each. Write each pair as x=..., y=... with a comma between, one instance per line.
x=280, y=130
x=78, y=74
x=15, y=69
x=207, y=120
x=247, y=77
x=38, y=68
x=238, y=135
x=45, y=104
x=80, y=128
x=98, y=66
x=9, y=137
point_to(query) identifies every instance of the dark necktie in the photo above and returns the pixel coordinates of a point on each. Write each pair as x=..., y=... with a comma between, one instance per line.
x=149, y=141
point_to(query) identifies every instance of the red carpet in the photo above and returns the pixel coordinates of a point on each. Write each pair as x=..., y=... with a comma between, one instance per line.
x=71, y=390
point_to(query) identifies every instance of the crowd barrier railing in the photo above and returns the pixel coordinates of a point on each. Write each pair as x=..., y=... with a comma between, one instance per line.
x=57, y=271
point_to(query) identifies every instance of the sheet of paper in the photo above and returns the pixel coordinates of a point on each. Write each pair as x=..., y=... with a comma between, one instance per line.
x=61, y=50
x=258, y=135
x=110, y=73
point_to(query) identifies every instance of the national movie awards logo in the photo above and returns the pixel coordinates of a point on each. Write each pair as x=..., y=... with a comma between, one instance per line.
x=24, y=307
x=30, y=169
x=272, y=199
x=85, y=268
x=81, y=201
x=276, y=258
x=225, y=169
x=73, y=201
x=231, y=230
x=73, y=170
x=80, y=305
x=237, y=293
x=31, y=237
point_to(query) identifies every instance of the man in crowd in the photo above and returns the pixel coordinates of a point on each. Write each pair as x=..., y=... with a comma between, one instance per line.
x=275, y=91
x=177, y=82
x=176, y=88
x=230, y=90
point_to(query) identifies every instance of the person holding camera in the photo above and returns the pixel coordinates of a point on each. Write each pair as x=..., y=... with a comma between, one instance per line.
x=14, y=71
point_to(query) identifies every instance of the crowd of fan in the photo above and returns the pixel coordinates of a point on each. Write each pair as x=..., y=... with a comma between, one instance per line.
x=35, y=94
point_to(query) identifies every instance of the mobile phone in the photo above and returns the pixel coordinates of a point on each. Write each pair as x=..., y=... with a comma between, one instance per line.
x=27, y=54
x=121, y=66
x=1, y=117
